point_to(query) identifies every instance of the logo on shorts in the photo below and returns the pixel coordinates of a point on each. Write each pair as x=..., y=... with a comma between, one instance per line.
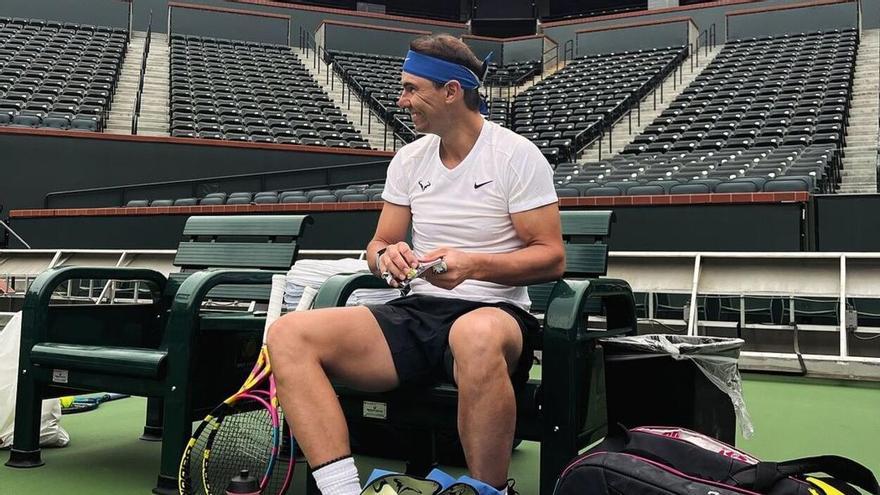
x=425, y=185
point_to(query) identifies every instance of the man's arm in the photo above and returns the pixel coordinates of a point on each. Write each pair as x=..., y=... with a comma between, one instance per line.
x=541, y=260
x=390, y=233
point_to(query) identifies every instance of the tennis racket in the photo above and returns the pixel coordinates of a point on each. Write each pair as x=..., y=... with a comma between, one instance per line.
x=245, y=430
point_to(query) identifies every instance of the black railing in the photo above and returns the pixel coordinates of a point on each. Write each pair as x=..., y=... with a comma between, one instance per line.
x=4, y=239
x=136, y=111
x=194, y=183
x=545, y=59
x=568, y=51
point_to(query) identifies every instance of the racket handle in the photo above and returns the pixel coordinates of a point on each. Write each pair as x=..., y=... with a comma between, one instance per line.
x=276, y=298
x=308, y=297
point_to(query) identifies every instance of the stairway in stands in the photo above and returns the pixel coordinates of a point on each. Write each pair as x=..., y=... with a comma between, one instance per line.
x=860, y=158
x=153, y=120
x=620, y=134
x=370, y=126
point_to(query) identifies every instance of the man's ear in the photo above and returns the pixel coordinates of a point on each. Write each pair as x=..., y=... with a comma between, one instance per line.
x=453, y=90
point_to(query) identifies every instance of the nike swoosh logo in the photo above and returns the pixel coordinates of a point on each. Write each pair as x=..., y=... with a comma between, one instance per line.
x=477, y=186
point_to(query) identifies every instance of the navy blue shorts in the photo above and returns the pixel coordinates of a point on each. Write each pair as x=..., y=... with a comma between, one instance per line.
x=417, y=330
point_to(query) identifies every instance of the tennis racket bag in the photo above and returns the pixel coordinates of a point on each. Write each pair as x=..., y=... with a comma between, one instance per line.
x=676, y=461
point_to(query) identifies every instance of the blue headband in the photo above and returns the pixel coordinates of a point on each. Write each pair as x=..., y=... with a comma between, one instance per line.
x=442, y=71
x=439, y=70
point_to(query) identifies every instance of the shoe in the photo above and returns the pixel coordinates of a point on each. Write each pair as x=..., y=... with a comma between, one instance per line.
x=388, y=483
x=466, y=485
x=510, y=487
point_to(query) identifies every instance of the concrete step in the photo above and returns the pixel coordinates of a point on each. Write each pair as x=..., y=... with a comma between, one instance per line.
x=862, y=128
x=854, y=163
x=126, y=113
x=859, y=164
x=147, y=92
x=136, y=73
x=866, y=189
x=160, y=101
x=861, y=140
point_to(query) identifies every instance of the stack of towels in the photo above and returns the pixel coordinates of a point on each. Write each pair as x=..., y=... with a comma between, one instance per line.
x=313, y=273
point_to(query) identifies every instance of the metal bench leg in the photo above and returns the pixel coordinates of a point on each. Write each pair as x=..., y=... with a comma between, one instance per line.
x=153, y=424
x=25, y=451
x=422, y=453
x=178, y=428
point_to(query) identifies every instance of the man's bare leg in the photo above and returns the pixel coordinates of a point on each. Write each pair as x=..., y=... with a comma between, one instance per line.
x=309, y=348
x=486, y=344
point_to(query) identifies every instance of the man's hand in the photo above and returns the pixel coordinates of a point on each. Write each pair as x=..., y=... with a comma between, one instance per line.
x=398, y=260
x=460, y=266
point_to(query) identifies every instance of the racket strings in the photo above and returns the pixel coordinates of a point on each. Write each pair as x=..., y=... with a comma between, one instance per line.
x=246, y=438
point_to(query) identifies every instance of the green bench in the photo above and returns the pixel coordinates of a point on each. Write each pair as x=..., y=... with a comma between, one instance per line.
x=565, y=411
x=183, y=357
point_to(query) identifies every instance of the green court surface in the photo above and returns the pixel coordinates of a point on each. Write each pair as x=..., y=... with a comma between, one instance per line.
x=792, y=418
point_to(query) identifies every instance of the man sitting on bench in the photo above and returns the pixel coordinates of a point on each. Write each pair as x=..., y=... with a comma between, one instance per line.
x=481, y=198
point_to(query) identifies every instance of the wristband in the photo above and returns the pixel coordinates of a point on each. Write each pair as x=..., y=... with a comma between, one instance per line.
x=379, y=254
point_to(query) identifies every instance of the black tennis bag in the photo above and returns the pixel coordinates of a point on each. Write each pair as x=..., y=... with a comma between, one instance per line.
x=676, y=461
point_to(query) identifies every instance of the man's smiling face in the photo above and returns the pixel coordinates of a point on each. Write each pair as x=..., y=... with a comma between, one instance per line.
x=424, y=101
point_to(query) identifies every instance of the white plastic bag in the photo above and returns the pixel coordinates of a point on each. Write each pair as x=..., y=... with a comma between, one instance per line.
x=51, y=432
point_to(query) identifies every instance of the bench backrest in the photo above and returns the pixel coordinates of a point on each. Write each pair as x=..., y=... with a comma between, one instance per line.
x=267, y=242
x=585, y=234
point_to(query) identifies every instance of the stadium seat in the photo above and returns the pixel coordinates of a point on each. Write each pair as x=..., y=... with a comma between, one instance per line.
x=787, y=184
x=265, y=198
x=645, y=190
x=736, y=187
x=690, y=189
x=56, y=123
x=212, y=200
x=84, y=124
x=293, y=198
x=353, y=197
x=603, y=191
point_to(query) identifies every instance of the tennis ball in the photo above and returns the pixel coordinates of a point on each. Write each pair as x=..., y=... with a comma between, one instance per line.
x=67, y=401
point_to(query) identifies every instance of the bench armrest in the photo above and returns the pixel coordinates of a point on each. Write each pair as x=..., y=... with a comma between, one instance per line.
x=192, y=292
x=338, y=288
x=565, y=309
x=35, y=312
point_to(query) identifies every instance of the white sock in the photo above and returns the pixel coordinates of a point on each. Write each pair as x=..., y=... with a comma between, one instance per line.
x=338, y=478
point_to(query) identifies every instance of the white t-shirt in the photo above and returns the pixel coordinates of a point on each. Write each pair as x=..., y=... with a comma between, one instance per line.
x=469, y=207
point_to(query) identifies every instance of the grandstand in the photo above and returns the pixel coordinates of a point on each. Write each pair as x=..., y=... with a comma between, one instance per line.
x=734, y=143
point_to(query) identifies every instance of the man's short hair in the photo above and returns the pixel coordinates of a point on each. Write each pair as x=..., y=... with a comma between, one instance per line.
x=449, y=48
